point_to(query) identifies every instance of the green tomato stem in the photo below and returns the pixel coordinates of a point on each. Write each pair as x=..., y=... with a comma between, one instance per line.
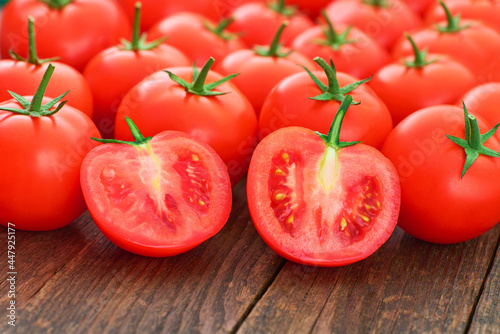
x=198, y=86
x=333, y=91
x=32, y=53
x=377, y=3
x=420, y=56
x=57, y=4
x=275, y=47
x=453, y=22
x=199, y=82
x=36, y=102
x=474, y=140
x=332, y=139
x=139, y=139
x=136, y=32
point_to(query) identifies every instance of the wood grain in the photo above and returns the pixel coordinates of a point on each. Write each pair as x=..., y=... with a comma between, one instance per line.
x=406, y=286
x=73, y=280
x=486, y=319
x=103, y=289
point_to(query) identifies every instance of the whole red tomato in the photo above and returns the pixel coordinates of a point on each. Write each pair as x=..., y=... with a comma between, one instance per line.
x=23, y=76
x=413, y=83
x=449, y=193
x=486, y=11
x=351, y=50
x=197, y=36
x=471, y=42
x=114, y=71
x=156, y=196
x=262, y=68
x=383, y=20
x=484, y=100
x=73, y=30
x=216, y=112
x=41, y=149
x=319, y=201
x=303, y=99
x=256, y=22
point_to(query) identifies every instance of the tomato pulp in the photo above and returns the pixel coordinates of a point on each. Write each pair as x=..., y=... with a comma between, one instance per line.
x=159, y=198
x=317, y=204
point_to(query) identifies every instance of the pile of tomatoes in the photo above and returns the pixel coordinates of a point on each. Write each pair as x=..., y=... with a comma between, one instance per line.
x=346, y=118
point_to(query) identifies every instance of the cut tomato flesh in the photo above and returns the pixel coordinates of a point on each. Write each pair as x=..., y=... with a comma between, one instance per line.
x=285, y=184
x=318, y=205
x=172, y=194
x=363, y=206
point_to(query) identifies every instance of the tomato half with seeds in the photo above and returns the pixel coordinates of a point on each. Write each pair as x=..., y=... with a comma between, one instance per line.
x=156, y=196
x=318, y=201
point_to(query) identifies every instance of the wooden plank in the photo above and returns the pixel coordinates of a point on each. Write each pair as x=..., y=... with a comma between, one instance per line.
x=407, y=285
x=39, y=255
x=105, y=289
x=486, y=319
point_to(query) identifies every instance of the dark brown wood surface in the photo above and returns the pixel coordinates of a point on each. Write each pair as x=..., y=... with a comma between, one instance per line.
x=73, y=280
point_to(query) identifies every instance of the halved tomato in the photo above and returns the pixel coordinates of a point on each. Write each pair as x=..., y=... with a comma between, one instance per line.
x=318, y=201
x=157, y=196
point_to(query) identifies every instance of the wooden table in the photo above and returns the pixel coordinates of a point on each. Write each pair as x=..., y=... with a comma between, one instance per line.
x=74, y=280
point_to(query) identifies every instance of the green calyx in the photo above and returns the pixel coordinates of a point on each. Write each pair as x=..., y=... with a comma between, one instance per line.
x=454, y=25
x=333, y=91
x=333, y=39
x=35, y=107
x=139, y=139
x=138, y=41
x=473, y=143
x=281, y=8
x=377, y=3
x=56, y=4
x=332, y=139
x=198, y=86
x=32, y=54
x=220, y=29
x=274, y=50
x=420, y=56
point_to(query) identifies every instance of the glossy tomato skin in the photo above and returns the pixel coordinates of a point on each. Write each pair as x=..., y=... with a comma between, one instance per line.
x=227, y=122
x=436, y=205
x=40, y=169
x=420, y=6
x=485, y=11
x=188, y=33
x=483, y=100
x=360, y=58
x=258, y=74
x=476, y=46
x=310, y=7
x=114, y=71
x=159, y=199
x=289, y=104
x=75, y=33
x=23, y=78
x=257, y=23
x=319, y=194
x=407, y=89
x=385, y=25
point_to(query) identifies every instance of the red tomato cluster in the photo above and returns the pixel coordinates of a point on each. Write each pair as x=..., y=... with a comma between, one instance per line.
x=347, y=117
